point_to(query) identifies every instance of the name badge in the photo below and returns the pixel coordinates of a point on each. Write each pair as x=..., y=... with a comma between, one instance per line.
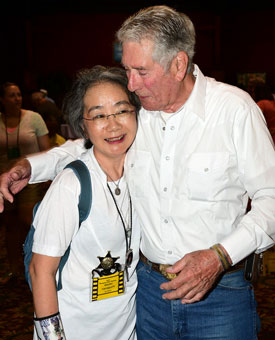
x=107, y=279
x=107, y=286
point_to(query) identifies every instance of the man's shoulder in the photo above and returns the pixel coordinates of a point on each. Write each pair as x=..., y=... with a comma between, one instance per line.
x=223, y=92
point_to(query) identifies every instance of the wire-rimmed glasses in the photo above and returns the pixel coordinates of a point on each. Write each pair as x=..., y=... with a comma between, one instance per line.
x=102, y=120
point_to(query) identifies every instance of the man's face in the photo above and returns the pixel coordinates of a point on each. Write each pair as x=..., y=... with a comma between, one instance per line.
x=155, y=88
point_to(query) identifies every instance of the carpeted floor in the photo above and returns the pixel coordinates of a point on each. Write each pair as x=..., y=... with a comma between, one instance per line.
x=16, y=304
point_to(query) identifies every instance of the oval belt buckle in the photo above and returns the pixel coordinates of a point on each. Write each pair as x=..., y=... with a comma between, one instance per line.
x=168, y=276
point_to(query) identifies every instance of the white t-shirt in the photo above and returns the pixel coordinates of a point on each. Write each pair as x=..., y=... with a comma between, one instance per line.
x=56, y=224
x=31, y=126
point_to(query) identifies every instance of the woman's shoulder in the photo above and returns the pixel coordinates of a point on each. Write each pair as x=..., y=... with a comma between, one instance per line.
x=30, y=113
x=31, y=116
x=67, y=179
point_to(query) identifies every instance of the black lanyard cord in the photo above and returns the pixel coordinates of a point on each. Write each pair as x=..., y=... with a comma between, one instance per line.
x=7, y=137
x=128, y=245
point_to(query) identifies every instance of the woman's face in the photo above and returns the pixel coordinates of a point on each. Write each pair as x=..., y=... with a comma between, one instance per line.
x=12, y=98
x=113, y=136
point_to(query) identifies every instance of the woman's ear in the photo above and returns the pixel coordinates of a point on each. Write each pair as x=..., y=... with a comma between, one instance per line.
x=179, y=65
x=84, y=130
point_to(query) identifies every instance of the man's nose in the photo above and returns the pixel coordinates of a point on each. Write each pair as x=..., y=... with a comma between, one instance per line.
x=133, y=81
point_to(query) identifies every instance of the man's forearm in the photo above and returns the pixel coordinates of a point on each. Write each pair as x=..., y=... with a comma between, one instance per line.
x=46, y=165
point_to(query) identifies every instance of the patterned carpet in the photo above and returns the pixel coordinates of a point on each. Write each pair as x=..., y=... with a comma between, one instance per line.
x=16, y=304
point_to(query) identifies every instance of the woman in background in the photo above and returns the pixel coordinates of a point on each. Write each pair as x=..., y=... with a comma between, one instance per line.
x=22, y=132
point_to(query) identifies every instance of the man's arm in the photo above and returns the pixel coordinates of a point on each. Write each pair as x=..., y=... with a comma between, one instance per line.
x=40, y=167
x=46, y=165
x=14, y=180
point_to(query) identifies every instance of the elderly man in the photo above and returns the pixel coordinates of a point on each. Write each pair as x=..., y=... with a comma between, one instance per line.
x=202, y=150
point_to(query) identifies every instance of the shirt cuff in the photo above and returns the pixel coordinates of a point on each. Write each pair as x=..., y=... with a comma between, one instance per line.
x=39, y=171
x=235, y=245
x=245, y=240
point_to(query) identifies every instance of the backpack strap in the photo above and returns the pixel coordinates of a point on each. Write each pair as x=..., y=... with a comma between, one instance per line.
x=85, y=197
x=84, y=205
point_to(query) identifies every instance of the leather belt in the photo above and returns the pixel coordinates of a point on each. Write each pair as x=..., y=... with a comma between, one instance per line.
x=160, y=268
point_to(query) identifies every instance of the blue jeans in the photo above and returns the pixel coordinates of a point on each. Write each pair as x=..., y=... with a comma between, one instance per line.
x=227, y=313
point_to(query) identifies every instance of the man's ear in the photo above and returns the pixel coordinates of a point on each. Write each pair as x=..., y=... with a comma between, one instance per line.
x=179, y=65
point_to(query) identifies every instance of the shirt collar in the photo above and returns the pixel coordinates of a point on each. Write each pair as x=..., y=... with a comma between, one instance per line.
x=89, y=158
x=196, y=100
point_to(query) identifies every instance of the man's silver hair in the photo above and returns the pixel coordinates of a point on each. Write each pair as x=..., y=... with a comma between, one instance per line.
x=171, y=32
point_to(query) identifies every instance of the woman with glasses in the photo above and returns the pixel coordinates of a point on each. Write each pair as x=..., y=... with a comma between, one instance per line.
x=104, y=250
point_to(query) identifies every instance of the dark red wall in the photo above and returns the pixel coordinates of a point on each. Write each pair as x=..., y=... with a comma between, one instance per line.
x=45, y=50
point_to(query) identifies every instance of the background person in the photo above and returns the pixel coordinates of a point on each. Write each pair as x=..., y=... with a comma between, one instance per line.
x=22, y=132
x=264, y=98
x=46, y=107
x=53, y=126
x=202, y=149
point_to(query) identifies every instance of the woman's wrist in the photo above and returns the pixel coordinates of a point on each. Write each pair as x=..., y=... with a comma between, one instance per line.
x=50, y=327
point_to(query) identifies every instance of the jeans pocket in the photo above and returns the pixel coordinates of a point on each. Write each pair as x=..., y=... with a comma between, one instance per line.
x=234, y=281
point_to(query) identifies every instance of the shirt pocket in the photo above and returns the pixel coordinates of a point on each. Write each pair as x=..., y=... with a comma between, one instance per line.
x=138, y=174
x=207, y=175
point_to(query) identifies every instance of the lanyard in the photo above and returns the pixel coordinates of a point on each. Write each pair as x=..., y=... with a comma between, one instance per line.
x=7, y=136
x=129, y=252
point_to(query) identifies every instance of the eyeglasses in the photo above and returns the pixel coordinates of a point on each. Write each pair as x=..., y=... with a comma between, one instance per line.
x=102, y=119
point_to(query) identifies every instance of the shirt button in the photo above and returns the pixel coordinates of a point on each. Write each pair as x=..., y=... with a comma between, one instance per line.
x=172, y=128
x=165, y=221
x=170, y=252
x=165, y=189
x=206, y=169
x=167, y=158
x=132, y=165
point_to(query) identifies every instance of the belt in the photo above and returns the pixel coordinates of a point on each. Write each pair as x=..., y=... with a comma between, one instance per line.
x=161, y=268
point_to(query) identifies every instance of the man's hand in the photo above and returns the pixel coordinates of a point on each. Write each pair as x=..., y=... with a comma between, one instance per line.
x=13, y=181
x=197, y=273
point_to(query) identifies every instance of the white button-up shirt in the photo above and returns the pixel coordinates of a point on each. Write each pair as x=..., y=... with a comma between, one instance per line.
x=190, y=175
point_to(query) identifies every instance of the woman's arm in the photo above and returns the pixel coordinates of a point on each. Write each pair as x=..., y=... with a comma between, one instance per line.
x=43, y=142
x=43, y=270
x=48, y=324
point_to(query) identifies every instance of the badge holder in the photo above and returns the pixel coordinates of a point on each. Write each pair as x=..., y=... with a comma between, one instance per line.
x=13, y=153
x=107, y=280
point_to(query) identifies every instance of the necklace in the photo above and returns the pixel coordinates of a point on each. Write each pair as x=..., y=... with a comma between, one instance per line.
x=117, y=189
